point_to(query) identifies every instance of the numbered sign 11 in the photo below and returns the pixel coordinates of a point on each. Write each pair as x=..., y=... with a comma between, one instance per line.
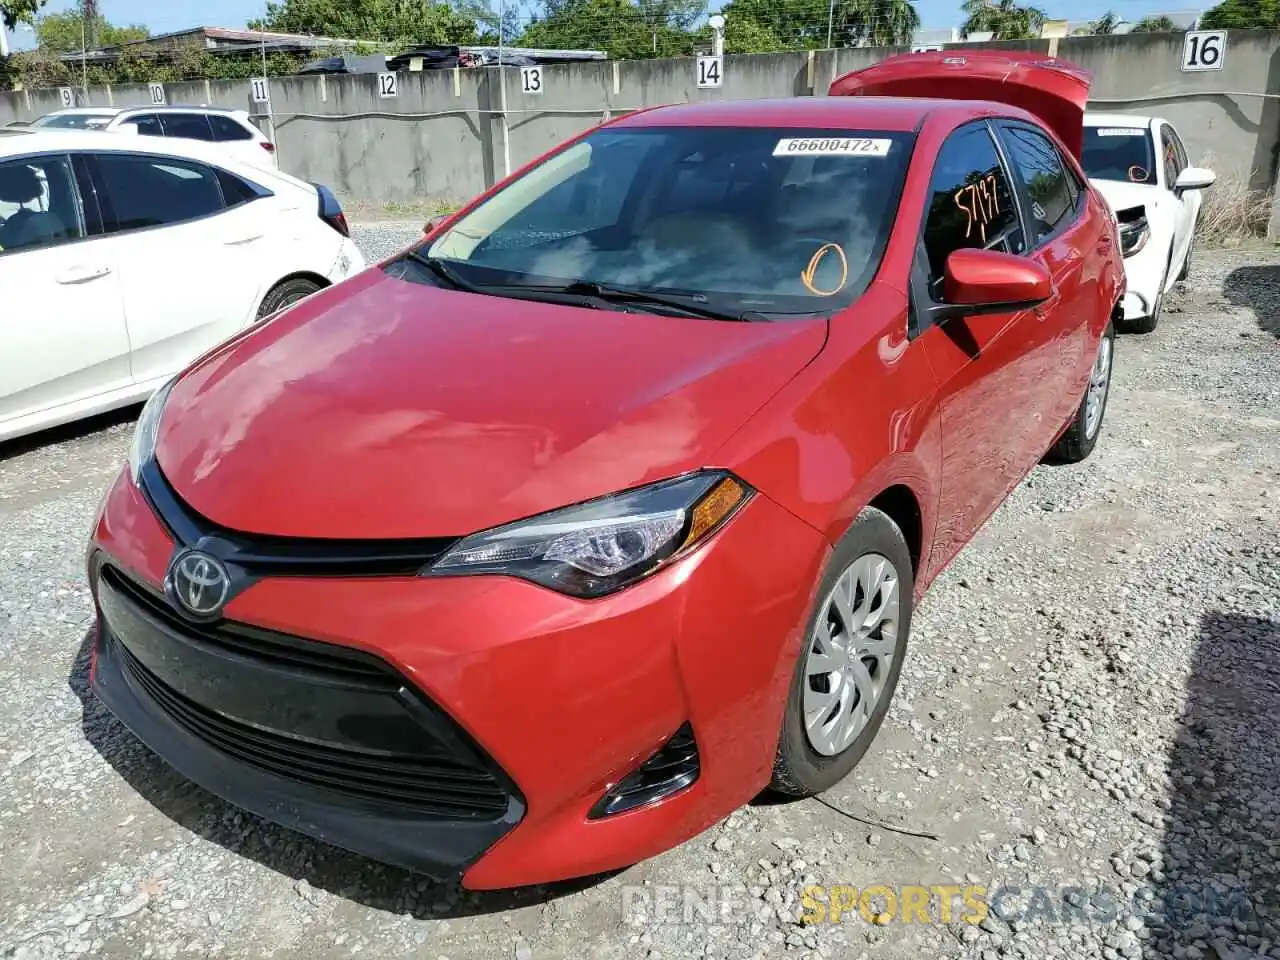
x=710, y=71
x=387, y=85
x=67, y=96
x=157, y=94
x=1204, y=49
x=261, y=92
x=531, y=79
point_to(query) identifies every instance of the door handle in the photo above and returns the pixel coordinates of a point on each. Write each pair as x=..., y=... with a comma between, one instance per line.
x=246, y=238
x=82, y=274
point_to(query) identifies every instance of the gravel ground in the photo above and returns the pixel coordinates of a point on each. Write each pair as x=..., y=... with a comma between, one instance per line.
x=1086, y=732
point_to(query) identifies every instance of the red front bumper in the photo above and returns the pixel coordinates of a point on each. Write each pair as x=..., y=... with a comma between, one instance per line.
x=566, y=697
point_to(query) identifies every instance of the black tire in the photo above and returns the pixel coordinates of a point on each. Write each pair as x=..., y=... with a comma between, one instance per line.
x=284, y=293
x=1186, y=261
x=1077, y=443
x=798, y=769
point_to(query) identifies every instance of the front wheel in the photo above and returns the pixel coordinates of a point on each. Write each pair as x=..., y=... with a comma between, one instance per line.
x=1082, y=436
x=847, y=671
x=284, y=294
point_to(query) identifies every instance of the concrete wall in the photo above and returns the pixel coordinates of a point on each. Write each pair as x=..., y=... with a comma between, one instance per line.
x=441, y=136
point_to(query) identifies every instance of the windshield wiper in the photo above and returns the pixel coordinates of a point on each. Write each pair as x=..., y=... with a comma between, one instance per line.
x=442, y=270
x=686, y=303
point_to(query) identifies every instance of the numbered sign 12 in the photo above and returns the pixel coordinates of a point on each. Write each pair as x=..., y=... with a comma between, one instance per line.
x=1204, y=49
x=261, y=92
x=387, y=85
x=710, y=71
x=531, y=79
x=157, y=93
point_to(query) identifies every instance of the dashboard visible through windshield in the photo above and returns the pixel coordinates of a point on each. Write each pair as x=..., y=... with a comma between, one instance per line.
x=765, y=220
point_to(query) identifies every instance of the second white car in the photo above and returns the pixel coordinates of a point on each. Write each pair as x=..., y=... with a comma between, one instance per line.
x=1140, y=167
x=123, y=259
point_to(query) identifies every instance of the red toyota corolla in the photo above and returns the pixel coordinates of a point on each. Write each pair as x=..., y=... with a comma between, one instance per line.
x=541, y=546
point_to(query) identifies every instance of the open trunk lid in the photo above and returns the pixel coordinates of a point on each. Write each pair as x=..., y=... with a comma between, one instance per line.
x=1052, y=89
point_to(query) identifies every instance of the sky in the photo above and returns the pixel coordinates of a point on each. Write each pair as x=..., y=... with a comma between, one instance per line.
x=181, y=14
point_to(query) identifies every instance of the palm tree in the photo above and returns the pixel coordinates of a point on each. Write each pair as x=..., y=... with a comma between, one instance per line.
x=1004, y=18
x=881, y=23
x=1160, y=24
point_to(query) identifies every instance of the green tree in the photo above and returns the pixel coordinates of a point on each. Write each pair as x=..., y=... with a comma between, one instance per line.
x=13, y=12
x=1104, y=25
x=62, y=32
x=622, y=28
x=1242, y=15
x=399, y=22
x=1160, y=24
x=1004, y=18
x=807, y=24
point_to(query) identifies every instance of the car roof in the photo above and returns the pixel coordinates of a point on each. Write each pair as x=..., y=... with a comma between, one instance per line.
x=891, y=114
x=53, y=140
x=1118, y=120
x=183, y=107
x=81, y=111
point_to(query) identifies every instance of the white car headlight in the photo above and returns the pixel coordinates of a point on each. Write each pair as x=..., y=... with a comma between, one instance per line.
x=597, y=547
x=1134, y=234
x=144, y=432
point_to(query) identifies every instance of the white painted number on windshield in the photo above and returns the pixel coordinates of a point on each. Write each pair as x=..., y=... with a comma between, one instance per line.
x=833, y=147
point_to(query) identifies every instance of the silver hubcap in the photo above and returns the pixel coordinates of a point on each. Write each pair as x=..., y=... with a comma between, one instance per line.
x=850, y=653
x=1099, y=382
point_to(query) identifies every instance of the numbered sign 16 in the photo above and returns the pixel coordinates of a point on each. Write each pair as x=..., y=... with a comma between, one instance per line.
x=1204, y=49
x=710, y=71
x=261, y=92
x=387, y=85
x=157, y=93
x=531, y=79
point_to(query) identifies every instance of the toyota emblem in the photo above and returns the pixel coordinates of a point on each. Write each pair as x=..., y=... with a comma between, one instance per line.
x=199, y=583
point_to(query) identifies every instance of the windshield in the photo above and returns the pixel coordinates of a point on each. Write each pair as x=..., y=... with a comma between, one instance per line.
x=771, y=221
x=77, y=121
x=1119, y=153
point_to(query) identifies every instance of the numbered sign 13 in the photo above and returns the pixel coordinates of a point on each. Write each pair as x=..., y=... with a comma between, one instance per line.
x=531, y=79
x=157, y=93
x=710, y=71
x=261, y=92
x=387, y=85
x=1204, y=49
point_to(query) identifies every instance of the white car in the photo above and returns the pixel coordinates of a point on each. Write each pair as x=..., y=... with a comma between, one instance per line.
x=1140, y=166
x=123, y=259
x=233, y=129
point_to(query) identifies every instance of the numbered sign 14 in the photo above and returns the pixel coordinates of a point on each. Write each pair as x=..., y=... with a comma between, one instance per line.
x=1204, y=49
x=261, y=92
x=710, y=71
x=157, y=93
x=387, y=85
x=531, y=79
x=67, y=96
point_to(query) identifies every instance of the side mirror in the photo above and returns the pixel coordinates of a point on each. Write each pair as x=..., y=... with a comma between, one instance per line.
x=1194, y=178
x=988, y=281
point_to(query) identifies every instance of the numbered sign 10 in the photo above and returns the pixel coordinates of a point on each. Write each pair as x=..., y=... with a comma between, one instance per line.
x=710, y=71
x=387, y=85
x=157, y=94
x=531, y=79
x=67, y=96
x=1204, y=49
x=261, y=92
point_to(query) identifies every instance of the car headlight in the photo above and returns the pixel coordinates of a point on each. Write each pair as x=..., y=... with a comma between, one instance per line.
x=144, y=432
x=597, y=547
x=1134, y=235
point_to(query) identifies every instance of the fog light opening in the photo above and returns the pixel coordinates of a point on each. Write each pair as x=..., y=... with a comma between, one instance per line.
x=673, y=768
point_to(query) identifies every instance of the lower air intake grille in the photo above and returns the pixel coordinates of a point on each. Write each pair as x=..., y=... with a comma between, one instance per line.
x=674, y=767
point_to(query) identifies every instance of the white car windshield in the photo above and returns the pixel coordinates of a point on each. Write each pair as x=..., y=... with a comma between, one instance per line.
x=75, y=121
x=1119, y=153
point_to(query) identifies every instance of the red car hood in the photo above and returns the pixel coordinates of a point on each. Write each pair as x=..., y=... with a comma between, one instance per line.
x=1051, y=89
x=383, y=408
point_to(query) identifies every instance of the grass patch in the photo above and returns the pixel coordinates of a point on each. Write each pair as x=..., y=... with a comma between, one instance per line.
x=417, y=210
x=1232, y=213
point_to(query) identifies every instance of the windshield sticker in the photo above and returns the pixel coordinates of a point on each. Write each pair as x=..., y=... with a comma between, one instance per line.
x=832, y=147
x=808, y=273
x=979, y=202
x=1121, y=132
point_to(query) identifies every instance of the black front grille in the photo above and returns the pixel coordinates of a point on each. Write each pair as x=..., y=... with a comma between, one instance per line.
x=340, y=721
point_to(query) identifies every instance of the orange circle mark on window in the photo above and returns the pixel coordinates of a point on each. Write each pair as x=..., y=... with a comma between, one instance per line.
x=1137, y=174
x=807, y=275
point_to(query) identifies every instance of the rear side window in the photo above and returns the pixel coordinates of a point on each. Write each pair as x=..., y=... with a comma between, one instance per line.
x=224, y=128
x=140, y=192
x=38, y=204
x=234, y=190
x=970, y=205
x=190, y=126
x=1044, y=178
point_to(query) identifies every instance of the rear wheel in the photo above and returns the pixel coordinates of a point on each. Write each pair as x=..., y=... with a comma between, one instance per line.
x=1082, y=436
x=286, y=293
x=848, y=669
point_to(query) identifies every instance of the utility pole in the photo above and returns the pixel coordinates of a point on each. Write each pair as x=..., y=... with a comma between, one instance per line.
x=91, y=16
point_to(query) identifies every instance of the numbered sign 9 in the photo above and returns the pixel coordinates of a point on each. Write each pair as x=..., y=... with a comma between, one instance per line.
x=531, y=79
x=261, y=92
x=1204, y=49
x=157, y=93
x=710, y=71
x=387, y=85
x=67, y=96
